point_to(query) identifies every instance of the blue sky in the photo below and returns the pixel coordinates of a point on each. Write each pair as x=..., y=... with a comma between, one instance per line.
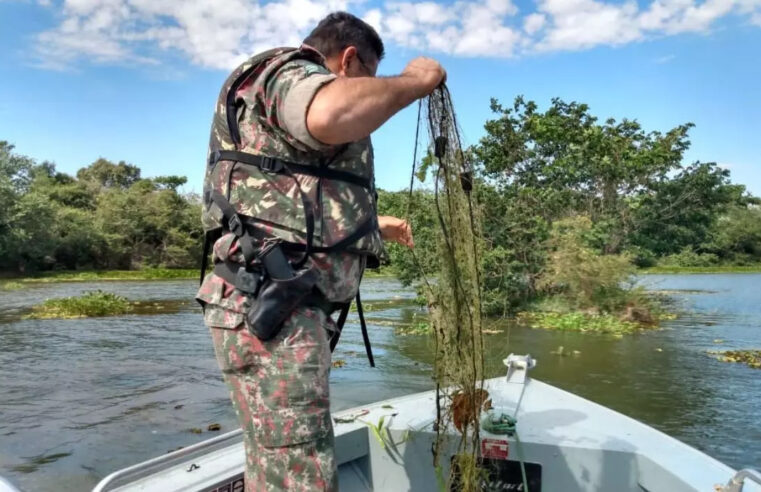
x=136, y=80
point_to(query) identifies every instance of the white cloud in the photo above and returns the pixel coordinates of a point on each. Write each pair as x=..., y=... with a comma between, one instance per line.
x=220, y=33
x=675, y=16
x=533, y=22
x=465, y=28
x=578, y=24
x=210, y=33
x=373, y=17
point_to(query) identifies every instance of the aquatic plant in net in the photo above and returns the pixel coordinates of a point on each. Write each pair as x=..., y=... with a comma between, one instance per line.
x=455, y=299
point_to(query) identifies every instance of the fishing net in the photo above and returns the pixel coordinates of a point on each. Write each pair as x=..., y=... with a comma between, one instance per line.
x=454, y=299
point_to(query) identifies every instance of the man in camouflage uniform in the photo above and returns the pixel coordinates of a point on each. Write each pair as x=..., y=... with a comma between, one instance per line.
x=316, y=105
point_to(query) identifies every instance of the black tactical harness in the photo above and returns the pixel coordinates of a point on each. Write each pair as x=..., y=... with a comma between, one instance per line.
x=249, y=278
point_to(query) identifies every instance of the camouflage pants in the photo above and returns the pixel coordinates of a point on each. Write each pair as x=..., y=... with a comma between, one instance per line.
x=280, y=392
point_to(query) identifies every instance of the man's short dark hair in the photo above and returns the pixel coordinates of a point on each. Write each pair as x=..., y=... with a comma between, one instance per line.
x=341, y=29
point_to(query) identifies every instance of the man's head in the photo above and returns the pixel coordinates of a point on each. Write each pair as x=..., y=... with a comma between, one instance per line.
x=351, y=47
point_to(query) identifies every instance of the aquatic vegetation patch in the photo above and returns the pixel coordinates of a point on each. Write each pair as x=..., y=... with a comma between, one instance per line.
x=422, y=328
x=90, y=304
x=382, y=272
x=94, y=275
x=580, y=322
x=11, y=285
x=382, y=305
x=752, y=358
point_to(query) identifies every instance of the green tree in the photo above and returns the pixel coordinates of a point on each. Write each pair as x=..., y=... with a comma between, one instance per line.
x=737, y=235
x=566, y=160
x=681, y=212
x=106, y=217
x=109, y=175
x=170, y=182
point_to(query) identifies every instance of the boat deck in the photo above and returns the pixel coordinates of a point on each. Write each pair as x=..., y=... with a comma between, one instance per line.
x=566, y=443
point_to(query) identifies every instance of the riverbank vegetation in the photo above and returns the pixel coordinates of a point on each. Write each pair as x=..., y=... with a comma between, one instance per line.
x=104, y=275
x=90, y=304
x=701, y=269
x=572, y=207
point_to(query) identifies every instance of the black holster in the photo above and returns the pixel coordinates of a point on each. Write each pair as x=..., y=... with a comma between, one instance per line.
x=282, y=290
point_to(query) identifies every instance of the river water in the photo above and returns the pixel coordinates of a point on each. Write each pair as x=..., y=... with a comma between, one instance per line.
x=82, y=398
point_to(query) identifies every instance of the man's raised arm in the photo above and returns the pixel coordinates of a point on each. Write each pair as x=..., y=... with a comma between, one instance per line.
x=351, y=108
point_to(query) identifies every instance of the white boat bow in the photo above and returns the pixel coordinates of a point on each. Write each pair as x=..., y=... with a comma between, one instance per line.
x=566, y=443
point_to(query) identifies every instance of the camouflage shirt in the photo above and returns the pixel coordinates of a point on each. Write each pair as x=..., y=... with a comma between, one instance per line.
x=272, y=122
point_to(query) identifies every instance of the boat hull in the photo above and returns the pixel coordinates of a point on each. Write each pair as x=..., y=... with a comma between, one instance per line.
x=565, y=442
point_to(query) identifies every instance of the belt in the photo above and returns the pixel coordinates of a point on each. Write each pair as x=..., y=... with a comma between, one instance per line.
x=248, y=283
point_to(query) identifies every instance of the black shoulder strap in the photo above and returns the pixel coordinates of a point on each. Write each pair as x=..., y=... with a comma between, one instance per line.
x=340, y=325
x=235, y=224
x=278, y=166
x=365, y=336
x=309, y=217
x=232, y=106
x=205, y=258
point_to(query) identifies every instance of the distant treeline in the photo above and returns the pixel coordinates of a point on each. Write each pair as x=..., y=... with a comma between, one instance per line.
x=560, y=191
x=106, y=216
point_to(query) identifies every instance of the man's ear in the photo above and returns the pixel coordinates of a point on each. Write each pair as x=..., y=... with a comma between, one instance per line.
x=348, y=57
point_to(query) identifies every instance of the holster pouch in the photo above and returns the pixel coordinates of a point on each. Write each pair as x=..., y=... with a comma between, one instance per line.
x=278, y=296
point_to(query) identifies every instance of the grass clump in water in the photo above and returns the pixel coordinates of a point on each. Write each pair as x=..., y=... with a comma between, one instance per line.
x=581, y=322
x=421, y=328
x=750, y=357
x=90, y=304
x=91, y=275
x=11, y=286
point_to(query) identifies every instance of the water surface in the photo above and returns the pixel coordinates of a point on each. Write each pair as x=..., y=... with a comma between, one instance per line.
x=82, y=398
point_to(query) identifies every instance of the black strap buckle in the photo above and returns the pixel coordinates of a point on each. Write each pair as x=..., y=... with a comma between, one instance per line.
x=235, y=225
x=271, y=165
x=214, y=157
x=246, y=282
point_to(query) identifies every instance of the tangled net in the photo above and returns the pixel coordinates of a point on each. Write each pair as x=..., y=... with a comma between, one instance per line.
x=455, y=299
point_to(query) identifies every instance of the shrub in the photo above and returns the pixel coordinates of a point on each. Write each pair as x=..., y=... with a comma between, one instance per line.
x=688, y=257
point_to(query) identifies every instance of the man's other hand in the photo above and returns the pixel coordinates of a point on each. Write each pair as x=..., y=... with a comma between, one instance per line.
x=395, y=229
